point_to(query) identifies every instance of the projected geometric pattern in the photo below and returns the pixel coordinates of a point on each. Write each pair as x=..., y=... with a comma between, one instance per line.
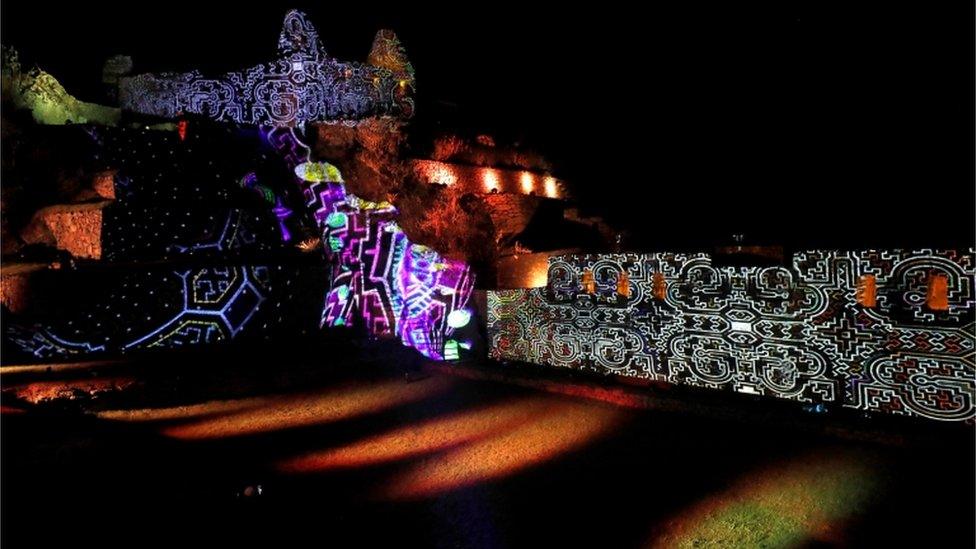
x=796, y=333
x=302, y=85
x=380, y=279
x=150, y=309
x=137, y=233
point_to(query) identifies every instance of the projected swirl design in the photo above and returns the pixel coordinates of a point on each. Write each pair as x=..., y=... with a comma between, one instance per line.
x=796, y=333
x=303, y=84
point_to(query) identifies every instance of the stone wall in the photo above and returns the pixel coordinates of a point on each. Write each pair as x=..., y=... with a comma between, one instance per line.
x=74, y=228
x=874, y=331
x=476, y=179
x=525, y=270
x=510, y=213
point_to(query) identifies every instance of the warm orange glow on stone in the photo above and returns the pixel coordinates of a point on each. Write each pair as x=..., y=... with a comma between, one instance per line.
x=443, y=175
x=528, y=182
x=490, y=179
x=439, y=434
x=561, y=427
x=937, y=294
x=540, y=275
x=550, y=187
x=40, y=391
x=867, y=291
x=659, y=286
x=312, y=409
x=623, y=284
x=588, y=283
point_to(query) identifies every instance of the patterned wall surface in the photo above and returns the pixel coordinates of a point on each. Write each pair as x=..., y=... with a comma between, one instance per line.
x=797, y=333
x=380, y=279
x=303, y=84
x=166, y=308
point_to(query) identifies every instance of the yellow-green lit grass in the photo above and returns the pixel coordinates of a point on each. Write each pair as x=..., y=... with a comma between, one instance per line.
x=809, y=498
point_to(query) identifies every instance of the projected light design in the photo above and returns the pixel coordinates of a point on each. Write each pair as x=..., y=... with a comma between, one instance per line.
x=793, y=332
x=178, y=199
x=185, y=307
x=281, y=211
x=303, y=84
x=380, y=279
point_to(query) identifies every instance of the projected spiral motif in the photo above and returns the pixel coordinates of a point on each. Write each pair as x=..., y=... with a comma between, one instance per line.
x=304, y=84
x=795, y=333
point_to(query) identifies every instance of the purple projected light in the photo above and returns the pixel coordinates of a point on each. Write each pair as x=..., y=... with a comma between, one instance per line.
x=380, y=279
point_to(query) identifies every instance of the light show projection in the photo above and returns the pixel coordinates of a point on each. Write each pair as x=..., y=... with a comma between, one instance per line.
x=380, y=280
x=303, y=84
x=161, y=180
x=162, y=309
x=194, y=227
x=879, y=331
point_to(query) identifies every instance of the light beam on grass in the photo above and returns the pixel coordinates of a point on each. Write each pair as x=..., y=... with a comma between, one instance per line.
x=783, y=506
x=438, y=434
x=555, y=430
x=315, y=408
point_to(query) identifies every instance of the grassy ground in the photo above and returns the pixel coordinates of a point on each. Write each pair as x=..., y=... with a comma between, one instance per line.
x=342, y=457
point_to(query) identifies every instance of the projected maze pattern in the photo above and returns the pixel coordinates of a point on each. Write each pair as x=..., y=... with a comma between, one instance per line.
x=303, y=85
x=157, y=309
x=379, y=277
x=793, y=333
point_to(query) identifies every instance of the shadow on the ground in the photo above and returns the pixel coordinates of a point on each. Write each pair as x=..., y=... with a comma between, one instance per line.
x=373, y=458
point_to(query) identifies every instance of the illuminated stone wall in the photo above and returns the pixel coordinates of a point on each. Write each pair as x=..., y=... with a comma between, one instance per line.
x=524, y=270
x=380, y=279
x=302, y=84
x=879, y=331
x=477, y=179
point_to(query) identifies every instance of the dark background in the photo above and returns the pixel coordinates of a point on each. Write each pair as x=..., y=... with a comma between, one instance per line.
x=806, y=124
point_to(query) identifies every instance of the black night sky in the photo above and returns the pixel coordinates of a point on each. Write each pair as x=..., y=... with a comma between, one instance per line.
x=802, y=124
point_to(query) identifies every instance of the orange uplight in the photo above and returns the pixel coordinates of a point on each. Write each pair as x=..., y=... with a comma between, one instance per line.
x=190, y=411
x=587, y=282
x=442, y=175
x=937, y=294
x=549, y=185
x=528, y=182
x=411, y=440
x=558, y=428
x=308, y=409
x=539, y=276
x=39, y=391
x=623, y=284
x=659, y=286
x=867, y=291
x=490, y=179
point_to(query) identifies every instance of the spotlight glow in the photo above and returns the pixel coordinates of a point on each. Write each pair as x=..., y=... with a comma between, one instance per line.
x=458, y=318
x=549, y=184
x=559, y=428
x=442, y=175
x=528, y=182
x=411, y=440
x=491, y=181
x=287, y=412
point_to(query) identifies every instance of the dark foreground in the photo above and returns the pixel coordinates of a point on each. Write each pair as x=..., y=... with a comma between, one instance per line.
x=195, y=451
